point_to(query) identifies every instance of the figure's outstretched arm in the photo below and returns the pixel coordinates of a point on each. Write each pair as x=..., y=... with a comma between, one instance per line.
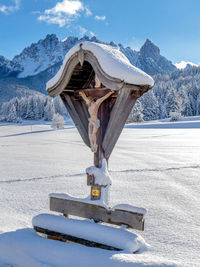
x=100, y=100
x=85, y=98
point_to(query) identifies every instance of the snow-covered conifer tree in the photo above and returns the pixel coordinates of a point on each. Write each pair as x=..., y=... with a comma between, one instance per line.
x=12, y=115
x=173, y=102
x=58, y=121
x=30, y=114
x=136, y=114
x=23, y=104
x=150, y=106
x=198, y=105
x=49, y=110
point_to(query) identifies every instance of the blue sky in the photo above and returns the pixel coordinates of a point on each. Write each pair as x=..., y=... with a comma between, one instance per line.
x=173, y=25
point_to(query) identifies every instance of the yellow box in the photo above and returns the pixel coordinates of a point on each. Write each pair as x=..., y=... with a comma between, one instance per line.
x=95, y=192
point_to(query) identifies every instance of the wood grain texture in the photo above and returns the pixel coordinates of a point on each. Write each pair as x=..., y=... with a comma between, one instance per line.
x=80, y=111
x=104, y=116
x=97, y=213
x=119, y=114
x=76, y=118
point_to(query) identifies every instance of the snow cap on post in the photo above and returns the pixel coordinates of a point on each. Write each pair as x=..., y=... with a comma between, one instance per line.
x=113, y=67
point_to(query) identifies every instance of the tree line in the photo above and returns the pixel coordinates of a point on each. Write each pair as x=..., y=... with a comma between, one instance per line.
x=32, y=108
x=177, y=93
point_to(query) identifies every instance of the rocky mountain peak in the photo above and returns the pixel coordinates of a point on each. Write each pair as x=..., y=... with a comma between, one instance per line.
x=51, y=51
x=150, y=60
x=3, y=59
x=149, y=49
x=8, y=68
x=50, y=41
x=39, y=56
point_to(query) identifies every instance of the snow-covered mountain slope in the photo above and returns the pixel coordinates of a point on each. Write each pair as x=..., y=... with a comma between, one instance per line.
x=44, y=54
x=185, y=64
x=39, y=56
x=39, y=62
x=49, y=51
x=11, y=87
x=8, y=67
x=18, y=87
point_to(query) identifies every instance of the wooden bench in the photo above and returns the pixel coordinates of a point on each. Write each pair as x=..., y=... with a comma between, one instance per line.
x=86, y=209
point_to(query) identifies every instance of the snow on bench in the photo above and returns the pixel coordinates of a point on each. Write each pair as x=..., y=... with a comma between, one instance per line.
x=87, y=230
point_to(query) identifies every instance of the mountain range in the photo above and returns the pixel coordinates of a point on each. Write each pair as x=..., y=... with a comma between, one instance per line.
x=35, y=65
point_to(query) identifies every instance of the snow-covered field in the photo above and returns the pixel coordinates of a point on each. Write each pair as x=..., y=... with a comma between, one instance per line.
x=154, y=165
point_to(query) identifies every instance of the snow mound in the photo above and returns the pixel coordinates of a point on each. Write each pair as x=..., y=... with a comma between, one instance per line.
x=107, y=235
x=112, y=61
x=24, y=248
x=102, y=178
x=101, y=175
x=184, y=64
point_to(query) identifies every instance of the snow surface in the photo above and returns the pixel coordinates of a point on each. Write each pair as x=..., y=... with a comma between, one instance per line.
x=23, y=248
x=183, y=64
x=156, y=167
x=86, y=229
x=192, y=122
x=112, y=61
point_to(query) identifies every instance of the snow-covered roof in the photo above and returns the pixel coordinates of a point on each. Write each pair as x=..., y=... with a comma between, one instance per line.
x=112, y=61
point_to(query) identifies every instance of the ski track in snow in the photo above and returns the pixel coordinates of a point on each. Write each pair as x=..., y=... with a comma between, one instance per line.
x=157, y=169
x=40, y=178
x=81, y=174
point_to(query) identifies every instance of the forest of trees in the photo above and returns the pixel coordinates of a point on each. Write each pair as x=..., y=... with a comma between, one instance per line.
x=32, y=108
x=177, y=93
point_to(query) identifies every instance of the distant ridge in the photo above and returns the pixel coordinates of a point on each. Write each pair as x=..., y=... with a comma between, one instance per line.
x=49, y=51
x=40, y=61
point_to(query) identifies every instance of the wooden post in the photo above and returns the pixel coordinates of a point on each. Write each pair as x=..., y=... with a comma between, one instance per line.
x=103, y=116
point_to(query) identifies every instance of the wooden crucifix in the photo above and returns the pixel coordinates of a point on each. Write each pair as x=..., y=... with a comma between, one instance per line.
x=99, y=100
x=94, y=122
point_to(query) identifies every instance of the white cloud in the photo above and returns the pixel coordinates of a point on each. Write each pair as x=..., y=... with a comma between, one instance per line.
x=64, y=12
x=183, y=64
x=100, y=17
x=53, y=20
x=7, y=9
x=68, y=7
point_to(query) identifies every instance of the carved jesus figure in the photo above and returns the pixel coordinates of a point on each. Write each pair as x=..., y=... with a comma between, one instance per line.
x=94, y=123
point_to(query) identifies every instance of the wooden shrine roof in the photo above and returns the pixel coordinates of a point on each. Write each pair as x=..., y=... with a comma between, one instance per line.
x=86, y=59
